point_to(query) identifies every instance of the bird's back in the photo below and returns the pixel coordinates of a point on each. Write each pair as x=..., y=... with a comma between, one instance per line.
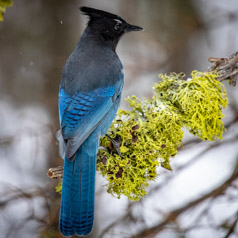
x=90, y=66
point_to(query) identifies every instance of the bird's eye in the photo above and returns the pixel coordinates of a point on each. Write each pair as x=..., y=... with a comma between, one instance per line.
x=117, y=26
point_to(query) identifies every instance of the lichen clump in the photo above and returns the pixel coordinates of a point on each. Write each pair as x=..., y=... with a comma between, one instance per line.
x=199, y=102
x=151, y=132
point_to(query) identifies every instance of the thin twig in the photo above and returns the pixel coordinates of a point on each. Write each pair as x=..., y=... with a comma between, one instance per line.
x=232, y=227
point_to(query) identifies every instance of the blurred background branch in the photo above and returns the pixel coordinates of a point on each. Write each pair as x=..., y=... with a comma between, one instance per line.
x=172, y=216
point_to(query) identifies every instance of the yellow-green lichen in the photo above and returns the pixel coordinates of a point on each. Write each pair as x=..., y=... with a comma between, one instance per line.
x=147, y=133
x=58, y=187
x=199, y=102
x=150, y=133
x=3, y=5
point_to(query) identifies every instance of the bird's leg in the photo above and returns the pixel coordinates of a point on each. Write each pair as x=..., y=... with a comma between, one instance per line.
x=116, y=143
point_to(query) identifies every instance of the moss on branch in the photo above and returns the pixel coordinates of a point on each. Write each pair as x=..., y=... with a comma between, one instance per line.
x=151, y=132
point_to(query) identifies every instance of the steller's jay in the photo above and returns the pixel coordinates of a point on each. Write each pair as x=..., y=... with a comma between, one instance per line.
x=89, y=96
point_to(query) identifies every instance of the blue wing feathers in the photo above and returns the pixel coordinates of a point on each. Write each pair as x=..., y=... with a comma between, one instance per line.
x=84, y=112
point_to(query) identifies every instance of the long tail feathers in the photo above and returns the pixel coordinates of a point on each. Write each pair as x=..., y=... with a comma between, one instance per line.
x=77, y=201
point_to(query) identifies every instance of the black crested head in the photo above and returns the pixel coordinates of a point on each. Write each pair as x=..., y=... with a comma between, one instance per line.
x=110, y=27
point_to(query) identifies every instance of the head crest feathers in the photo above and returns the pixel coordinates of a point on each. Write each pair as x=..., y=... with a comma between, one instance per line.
x=96, y=13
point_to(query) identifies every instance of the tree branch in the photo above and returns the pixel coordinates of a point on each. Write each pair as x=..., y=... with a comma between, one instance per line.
x=55, y=173
x=227, y=68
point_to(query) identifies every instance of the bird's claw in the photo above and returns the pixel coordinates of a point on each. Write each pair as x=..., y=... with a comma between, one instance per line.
x=116, y=144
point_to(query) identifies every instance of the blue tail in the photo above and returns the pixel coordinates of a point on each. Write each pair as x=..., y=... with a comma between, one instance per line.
x=77, y=201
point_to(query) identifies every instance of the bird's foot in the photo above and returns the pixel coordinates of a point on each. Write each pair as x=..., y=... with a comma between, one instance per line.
x=116, y=143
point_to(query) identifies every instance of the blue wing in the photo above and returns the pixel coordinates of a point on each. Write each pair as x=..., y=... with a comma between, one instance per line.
x=81, y=113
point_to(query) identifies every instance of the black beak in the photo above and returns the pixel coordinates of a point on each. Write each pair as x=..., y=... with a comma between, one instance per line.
x=133, y=28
